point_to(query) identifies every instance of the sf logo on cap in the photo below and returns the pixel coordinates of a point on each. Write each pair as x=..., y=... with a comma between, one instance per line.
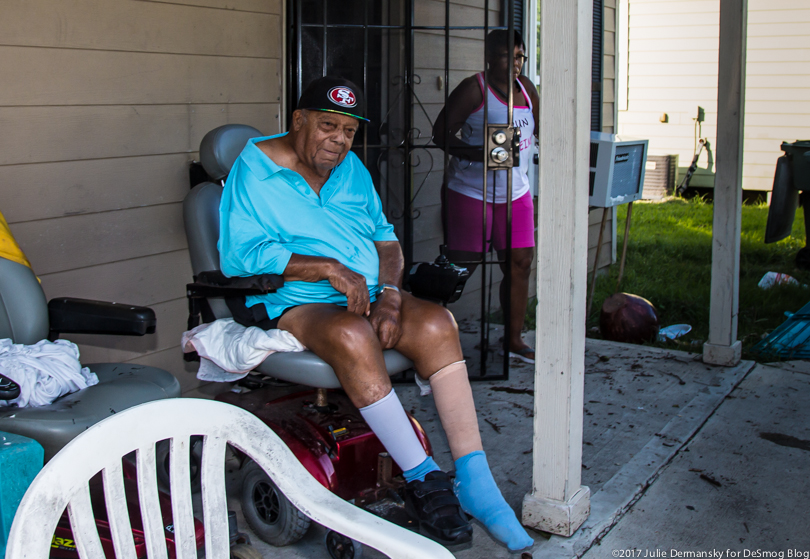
x=342, y=96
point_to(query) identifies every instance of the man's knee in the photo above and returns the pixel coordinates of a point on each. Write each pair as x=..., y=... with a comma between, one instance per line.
x=437, y=323
x=354, y=335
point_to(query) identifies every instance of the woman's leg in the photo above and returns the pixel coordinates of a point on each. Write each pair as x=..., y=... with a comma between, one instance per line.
x=522, y=255
x=518, y=297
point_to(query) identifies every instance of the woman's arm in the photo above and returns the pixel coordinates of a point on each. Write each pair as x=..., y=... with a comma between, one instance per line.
x=535, y=98
x=461, y=103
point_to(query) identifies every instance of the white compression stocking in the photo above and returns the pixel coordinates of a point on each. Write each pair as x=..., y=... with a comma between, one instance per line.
x=387, y=419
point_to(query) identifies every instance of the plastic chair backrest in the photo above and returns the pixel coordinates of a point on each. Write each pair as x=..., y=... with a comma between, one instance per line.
x=23, y=307
x=64, y=483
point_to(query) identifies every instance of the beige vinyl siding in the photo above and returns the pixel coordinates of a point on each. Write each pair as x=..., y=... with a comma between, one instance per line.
x=673, y=69
x=103, y=106
x=609, y=126
x=609, y=67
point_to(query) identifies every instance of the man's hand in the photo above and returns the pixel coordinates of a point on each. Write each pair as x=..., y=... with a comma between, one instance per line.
x=385, y=318
x=353, y=285
x=317, y=268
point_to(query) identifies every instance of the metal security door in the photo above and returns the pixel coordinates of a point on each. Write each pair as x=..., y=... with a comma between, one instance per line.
x=371, y=43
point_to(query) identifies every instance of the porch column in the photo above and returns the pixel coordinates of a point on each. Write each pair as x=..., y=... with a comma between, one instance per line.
x=558, y=503
x=723, y=347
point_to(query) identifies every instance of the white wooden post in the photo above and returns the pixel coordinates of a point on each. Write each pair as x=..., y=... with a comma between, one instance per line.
x=558, y=503
x=723, y=348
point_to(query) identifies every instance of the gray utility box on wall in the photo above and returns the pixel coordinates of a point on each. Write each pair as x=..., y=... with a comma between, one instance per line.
x=617, y=168
x=660, y=176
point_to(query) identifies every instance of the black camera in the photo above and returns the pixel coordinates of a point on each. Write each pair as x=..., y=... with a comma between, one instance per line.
x=440, y=280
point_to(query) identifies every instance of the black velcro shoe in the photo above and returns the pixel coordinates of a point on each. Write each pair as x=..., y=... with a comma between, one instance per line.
x=436, y=510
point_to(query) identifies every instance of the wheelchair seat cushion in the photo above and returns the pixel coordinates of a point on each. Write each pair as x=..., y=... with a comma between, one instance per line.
x=307, y=368
x=120, y=386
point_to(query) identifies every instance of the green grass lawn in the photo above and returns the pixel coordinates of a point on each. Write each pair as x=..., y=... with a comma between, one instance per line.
x=669, y=263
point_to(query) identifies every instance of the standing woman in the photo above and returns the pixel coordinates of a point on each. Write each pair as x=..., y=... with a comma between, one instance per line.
x=463, y=191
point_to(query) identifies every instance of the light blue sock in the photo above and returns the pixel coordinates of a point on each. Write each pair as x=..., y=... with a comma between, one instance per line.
x=419, y=472
x=480, y=497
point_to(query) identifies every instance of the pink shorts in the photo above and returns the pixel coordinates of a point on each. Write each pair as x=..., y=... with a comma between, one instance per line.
x=464, y=216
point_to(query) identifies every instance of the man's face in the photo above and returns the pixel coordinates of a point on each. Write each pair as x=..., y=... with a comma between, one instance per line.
x=325, y=138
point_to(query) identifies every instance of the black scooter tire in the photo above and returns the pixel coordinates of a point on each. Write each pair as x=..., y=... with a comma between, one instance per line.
x=268, y=512
x=342, y=547
x=162, y=451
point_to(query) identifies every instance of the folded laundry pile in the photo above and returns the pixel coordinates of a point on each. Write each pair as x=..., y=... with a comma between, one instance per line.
x=229, y=351
x=45, y=371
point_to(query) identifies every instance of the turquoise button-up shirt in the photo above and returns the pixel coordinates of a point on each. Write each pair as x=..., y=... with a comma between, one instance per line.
x=268, y=213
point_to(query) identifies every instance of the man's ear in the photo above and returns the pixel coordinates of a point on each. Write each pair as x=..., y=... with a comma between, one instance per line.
x=299, y=118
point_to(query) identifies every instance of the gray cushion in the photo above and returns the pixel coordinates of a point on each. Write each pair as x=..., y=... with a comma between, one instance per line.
x=201, y=219
x=23, y=307
x=221, y=146
x=307, y=368
x=120, y=386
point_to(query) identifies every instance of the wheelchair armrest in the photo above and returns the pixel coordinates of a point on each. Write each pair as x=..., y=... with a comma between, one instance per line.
x=83, y=316
x=216, y=284
x=9, y=390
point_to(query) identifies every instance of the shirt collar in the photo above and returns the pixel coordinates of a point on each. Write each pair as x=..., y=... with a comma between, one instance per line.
x=261, y=165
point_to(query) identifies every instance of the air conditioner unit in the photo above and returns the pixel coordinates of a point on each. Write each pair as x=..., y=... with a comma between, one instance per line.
x=617, y=169
x=660, y=176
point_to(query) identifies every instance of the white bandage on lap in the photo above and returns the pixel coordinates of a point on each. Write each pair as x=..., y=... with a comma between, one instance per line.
x=387, y=418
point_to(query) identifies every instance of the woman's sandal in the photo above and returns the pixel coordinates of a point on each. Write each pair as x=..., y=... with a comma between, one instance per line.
x=436, y=510
x=522, y=355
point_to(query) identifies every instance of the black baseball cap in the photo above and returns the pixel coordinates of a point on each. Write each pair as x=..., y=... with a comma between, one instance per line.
x=334, y=95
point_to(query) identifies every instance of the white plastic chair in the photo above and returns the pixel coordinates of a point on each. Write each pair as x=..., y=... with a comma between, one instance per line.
x=64, y=483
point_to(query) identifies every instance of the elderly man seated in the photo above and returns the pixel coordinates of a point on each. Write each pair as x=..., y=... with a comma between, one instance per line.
x=302, y=205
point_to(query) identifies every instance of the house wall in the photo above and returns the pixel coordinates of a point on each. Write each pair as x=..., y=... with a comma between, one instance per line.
x=607, y=253
x=102, y=107
x=672, y=69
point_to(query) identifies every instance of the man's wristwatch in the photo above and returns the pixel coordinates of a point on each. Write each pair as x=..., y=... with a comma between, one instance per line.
x=383, y=286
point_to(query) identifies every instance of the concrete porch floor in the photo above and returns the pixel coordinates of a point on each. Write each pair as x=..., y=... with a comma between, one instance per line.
x=678, y=455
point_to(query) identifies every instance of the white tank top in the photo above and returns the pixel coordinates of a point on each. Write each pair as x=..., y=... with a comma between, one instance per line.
x=466, y=176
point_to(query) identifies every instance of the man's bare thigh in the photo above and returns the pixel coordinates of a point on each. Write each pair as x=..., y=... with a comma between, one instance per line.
x=313, y=323
x=315, y=326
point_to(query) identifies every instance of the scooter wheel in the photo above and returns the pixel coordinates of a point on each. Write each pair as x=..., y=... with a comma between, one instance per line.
x=162, y=454
x=342, y=547
x=268, y=512
x=245, y=551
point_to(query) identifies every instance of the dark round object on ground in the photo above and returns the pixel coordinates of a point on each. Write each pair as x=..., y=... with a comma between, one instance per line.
x=628, y=318
x=268, y=512
x=162, y=454
x=342, y=547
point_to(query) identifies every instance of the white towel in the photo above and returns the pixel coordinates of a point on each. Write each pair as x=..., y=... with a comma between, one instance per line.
x=229, y=351
x=45, y=371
